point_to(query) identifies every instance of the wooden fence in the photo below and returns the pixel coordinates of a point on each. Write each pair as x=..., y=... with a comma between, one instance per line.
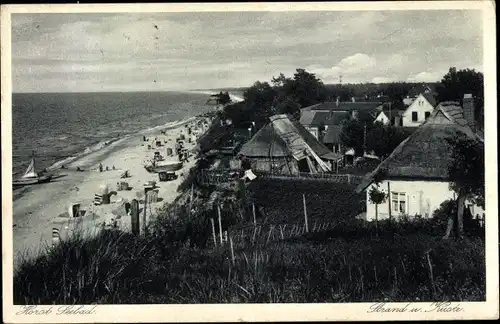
x=218, y=176
x=265, y=233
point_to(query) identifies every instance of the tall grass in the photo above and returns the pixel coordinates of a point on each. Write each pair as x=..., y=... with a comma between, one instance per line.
x=176, y=262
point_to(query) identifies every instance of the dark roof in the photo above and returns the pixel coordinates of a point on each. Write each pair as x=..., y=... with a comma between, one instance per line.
x=329, y=117
x=344, y=106
x=332, y=135
x=430, y=98
x=283, y=137
x=420, y=88
x=425, y=154
x=307, y=116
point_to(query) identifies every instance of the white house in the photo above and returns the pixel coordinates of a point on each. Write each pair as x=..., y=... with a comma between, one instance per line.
x=419, y=110
x=382, y=118
x=414, y=92
x=416, y=172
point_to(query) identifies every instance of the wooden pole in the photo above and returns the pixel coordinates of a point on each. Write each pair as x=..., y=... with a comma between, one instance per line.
x=191, y=199
x=213, y=231
x=305, y=212
x=269, y=234
x=232, y=249
x=144, y=214
x=220, y=224
x=253, y=212
x=389, y=199
x=134, y=213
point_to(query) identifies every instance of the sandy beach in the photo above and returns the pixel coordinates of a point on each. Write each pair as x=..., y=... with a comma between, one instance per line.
x=39, y=209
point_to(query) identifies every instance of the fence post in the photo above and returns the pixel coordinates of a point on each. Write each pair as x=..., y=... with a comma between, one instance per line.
x=134, y=213
x=213, y=231
x=305, y=212
x=232, y=249
x=220, y=224
x=269, y=234
x=144, y=214
x=253, y=212
x=348, y=178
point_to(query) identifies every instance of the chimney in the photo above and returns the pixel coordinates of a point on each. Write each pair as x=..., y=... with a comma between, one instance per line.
x=468, y=108
x=353, y=99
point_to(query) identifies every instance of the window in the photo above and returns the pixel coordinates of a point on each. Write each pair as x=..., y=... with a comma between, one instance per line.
x=398, y=201
x=427, y=114
x=414, y=116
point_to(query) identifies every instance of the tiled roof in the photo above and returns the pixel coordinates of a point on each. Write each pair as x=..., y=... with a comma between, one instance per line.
x=344, y=106
x=329, y=118
x=430, y=98
x=332, y=135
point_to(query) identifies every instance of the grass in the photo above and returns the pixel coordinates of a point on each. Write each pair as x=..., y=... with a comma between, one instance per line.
x=283, y=203
x=177, y=263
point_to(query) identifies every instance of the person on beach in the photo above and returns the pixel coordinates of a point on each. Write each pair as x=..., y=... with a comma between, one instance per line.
x=100, y=167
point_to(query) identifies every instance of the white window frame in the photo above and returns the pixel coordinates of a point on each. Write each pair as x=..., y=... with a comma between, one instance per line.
x=398, y=200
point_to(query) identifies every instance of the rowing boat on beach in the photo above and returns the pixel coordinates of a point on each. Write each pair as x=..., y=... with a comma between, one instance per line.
x=31, y=177
x=163, y=166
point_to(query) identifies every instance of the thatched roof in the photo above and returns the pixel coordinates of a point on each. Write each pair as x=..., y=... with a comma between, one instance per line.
x=425, y=154
x=265, y=143
x=284, y=137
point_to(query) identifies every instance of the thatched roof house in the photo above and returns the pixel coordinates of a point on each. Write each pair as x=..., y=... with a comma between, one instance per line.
x=417, y=170
x=285, y=145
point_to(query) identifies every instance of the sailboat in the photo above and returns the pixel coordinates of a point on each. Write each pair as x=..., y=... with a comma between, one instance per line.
x=31, y=176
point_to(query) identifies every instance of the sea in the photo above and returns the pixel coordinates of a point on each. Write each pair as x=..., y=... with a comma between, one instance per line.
x=60, y=127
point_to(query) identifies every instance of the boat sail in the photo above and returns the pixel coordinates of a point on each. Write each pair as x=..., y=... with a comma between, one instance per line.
x=30, y=171
x=31, y=176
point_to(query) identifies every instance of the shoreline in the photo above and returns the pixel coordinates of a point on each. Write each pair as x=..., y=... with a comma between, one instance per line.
x=38, y=209
x=104, y=144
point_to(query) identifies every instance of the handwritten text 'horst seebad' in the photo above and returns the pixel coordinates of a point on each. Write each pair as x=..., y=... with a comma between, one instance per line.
x=57, y=310
x=437, y=307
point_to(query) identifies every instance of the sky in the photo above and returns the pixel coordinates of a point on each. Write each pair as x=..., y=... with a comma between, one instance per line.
x=89, y=52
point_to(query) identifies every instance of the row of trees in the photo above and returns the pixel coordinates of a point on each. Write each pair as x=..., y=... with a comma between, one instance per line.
x=285, y=95
x=221, y=98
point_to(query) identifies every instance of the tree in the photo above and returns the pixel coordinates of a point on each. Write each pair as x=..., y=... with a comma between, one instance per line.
x=456, y=83
x=466, y=176
x=305, y=88
x=383, y=139
x=376, y=197
x=259, y=99
x=352, y=135
x=287, y=105
x=223, y=98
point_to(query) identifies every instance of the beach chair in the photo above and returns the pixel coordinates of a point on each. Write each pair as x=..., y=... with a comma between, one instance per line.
x=74, y=210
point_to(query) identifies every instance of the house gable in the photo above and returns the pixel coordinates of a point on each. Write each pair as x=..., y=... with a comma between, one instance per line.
x=419, y=110
x=382, y=118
